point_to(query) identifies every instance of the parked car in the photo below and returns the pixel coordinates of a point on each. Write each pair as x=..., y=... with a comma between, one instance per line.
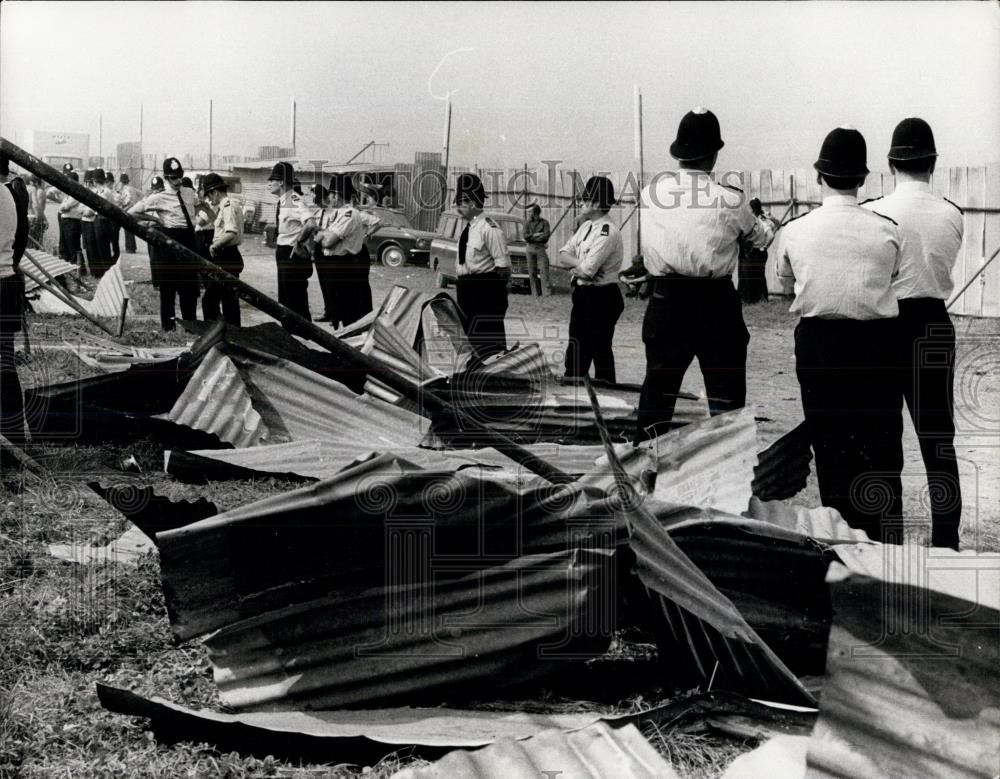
x=444, y=247
x=396, y=243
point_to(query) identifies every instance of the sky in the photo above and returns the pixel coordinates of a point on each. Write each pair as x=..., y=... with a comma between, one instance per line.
x=529, y=81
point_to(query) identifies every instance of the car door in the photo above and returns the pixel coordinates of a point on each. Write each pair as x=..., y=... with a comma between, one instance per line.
x=444, y=247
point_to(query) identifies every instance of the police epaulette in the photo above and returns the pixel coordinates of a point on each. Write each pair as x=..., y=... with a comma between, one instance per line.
x=871, y=200
x=605, y=229
x=960, y=210
x=886, y=217
x=490, y=222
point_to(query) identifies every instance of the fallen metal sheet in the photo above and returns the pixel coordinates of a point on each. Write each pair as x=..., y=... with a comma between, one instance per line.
x=356, y=735
x=708, y=463
x=217, y=401
x=752, y=563
x=150, y=512
x=821, y=523
x=448, y=638
x=700, y=631
x=783, y=467
x=595, y=752
x=388, y=345
x=107, y=300
x=293, y=404
x=276, y=552
x=402, y=308
x=103, y=355
x=527, y=360
x=324, y=460
x=913, y=687
x=271, y=338
x=443, y=342
x=54, y=266
x=781, y=757
x=132, y=546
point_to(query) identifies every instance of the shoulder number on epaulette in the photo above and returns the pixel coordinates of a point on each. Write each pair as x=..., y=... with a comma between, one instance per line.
x=490, y=222
x=960, y=210
x=606, y=229
x=347, y=213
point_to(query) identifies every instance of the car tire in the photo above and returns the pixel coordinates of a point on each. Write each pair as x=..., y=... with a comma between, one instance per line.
x=392, y=256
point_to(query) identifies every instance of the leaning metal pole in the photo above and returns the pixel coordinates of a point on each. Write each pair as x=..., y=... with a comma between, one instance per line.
x=428, y=402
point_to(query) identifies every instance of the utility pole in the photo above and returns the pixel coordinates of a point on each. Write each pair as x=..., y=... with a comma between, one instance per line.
x=447, y=139
x=642, y=171
x=100, y=138
x=210, y=135
x=293, y=126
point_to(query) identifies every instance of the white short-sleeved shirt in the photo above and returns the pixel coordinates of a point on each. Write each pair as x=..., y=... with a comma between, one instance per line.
x=352, y=226
x=843, y=259
x=693, y=226
x=486, y=249
x=932, y=231
x=597, y=245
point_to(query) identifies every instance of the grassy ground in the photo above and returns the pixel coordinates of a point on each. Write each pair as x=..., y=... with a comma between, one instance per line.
x=65, y=627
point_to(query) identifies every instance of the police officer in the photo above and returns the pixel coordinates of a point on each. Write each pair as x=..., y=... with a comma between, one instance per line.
x=103, y=233
x=294, y=264
x=128, y=196
x=843, y=259
x=87, y=233
x=483, y=270
x=56, y=196
x=345, y=254
x=691, y=231
x=173, y=208
x=932, y=231
x=594, y=254
x=70, y=231
x=223, y=251
x=325, y=214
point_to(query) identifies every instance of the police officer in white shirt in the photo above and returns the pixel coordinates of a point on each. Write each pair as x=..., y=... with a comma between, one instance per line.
x=691, y=233
x=294, y=264
x=223, y=250
x=345, y=256
x=483, y=270
x=103, y=234
x=932, y=229
x=843, y=259
x=594, y=255
x=70, y=231
x=128, y=196
x=172, y=207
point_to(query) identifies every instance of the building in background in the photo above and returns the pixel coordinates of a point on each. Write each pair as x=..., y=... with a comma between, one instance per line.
x=274, y=152
x=58, y=148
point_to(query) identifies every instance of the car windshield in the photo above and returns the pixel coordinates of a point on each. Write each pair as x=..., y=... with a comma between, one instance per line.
x=512, y=231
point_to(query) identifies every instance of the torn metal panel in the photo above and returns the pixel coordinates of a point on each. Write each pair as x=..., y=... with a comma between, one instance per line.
x=128, y=549
x=913, y=687
x=217, y=401
x=820, y=523
x=781, y=757
x=108, y=356
x=444, y=637
x=387, y=344
x=107, y=300
x=527, y=360
x=355, y=735
x=595, y=752
x=443, y=342
x=150, y=512
x=783, y=467
x=53, y=266
x=402, y=308
x=701, y=629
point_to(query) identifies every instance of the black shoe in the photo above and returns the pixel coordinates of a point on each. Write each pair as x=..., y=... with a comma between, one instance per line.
x=325, y=318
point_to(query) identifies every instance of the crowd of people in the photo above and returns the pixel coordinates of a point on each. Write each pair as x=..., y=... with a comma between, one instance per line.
x=870, y=284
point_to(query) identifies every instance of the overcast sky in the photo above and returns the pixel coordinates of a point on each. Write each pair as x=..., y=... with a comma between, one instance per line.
x=542, y=80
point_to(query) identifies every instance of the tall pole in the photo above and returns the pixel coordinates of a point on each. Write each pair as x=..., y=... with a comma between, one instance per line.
x=447, y=139
x=293, y=126
x=100, y=138
x=210, y=135
x=639, y=153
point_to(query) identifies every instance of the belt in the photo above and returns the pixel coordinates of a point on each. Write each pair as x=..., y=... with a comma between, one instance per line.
x=677, y=276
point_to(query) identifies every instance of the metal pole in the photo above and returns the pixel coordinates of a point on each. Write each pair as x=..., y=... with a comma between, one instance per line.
x=210, y=135
x=100, y=139
x=642, y=180
x=975, y=276
x=430, y=403
x=447, y=141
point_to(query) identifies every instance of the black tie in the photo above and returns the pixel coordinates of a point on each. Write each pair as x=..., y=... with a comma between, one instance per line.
x=277, y=214
x=463, y=242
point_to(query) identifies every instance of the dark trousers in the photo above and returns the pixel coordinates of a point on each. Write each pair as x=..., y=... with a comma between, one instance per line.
x=928, y=355
x=203, y=240
x=89, y=244
x=102, y=243
x=592, y=329
x=687, y=318
x=217, y=300
x=178, y=279
x=753, y=281
x=482, y=299
x=11, y=398
x=116, y=250
x=343, y=280
x=293, y=281
x=70, y=240
x=849, y=376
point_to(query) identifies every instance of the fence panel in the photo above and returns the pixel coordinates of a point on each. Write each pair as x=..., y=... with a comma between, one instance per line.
x=991, y=242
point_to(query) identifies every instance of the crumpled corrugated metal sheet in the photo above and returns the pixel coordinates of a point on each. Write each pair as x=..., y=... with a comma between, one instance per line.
x=350, y=735
x=128, y=549
x=450, y=637
x=913, y=686
x=217, y=401
x=821, y=523
x=443, y=343
x=697, y=625
x=293, y=402
x=387, y=344
x=107, y=300
x=526, y=360
x=150, y=512
x=595, y=752
x=323, y=460
x=276, y=552
x=55, y=267
x=783, y=467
